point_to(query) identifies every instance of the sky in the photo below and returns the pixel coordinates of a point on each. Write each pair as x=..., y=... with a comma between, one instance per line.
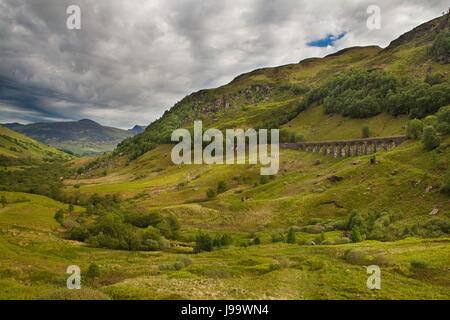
x=132, y=60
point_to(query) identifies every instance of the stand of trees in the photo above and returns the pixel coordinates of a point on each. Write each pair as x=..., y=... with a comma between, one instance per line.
x=121, y=229
x=361, y=94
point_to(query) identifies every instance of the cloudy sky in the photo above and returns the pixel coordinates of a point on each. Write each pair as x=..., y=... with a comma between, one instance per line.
x=134, y=59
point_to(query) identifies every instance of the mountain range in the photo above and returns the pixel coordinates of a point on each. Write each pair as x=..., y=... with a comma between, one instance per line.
x=84, y=137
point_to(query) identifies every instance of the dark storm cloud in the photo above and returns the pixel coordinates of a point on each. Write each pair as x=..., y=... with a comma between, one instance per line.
x=134, y=59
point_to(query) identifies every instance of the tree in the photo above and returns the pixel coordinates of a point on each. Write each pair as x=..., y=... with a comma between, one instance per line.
x=365, y=132
x=257, y=241
x=3, y=201
x=71, y=207
x=291, y=236
x=355, y=236
x=430, y=139
x=441, y=45
x=59, y=216
x=445, y=189
x=203, y=242
x=433, y=78
x=222, y=186
x=211, y=193
x=322, y=237
x=443, y=120
x=93, y=271
x=415, y=128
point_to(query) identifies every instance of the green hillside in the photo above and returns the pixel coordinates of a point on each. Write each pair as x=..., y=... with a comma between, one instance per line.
x=14, y=145
x=394, y=78
x=84, y=137
x=149, y=229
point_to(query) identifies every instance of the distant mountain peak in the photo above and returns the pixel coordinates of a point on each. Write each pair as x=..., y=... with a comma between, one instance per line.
x=88, y=121
x=138, y=129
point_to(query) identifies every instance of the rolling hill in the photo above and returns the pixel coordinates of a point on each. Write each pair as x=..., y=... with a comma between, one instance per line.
x=16, y=146
x=84, y=137
x=305, y=233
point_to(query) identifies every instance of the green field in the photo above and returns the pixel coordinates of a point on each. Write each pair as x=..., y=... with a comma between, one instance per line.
x=34, y=260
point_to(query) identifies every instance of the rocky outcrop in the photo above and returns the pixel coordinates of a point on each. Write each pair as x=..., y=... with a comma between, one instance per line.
x=251, y=95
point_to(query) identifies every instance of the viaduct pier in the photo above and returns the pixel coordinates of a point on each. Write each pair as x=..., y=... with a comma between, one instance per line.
x=347, y=148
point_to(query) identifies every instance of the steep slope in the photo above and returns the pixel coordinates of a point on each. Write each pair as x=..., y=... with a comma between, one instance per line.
x=263, y=95
x=84, y=137
x=14, y=145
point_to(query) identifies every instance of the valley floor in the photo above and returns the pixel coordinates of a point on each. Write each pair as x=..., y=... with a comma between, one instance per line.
x=34, y=259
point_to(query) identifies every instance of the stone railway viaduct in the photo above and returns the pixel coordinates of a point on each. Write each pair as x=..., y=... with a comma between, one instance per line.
x=347, y=148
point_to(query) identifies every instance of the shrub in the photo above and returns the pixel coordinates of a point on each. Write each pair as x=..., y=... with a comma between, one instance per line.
x=430, y=121
x=203, y=242
x=93, y=271
x=284, y=262
x=321, y=238
x=263, y=179
x=365, y=132
x=143, y=220
x=356, y=256
x=163, y=243
x=355, y=219
x=275, y=267
x=166, y=267
x=430, y=139
x=276, y=237
x=443, y=120
x=419, y=264
x=218, y=273
x=342, y=241
x=445, y=189
x=356, y=235
x=257, y=241
x=373, y=159
x=313, y=229
x=185, y=260
x=79, y=233
x=381, y=260
x=59, y=216
x=314, y=221
x=415, y=128
x=433, y=78
x=4, y=202
x=441, y=45
x=223, y=240
x=222, y=186
x=291, y=236
x=211, y=194
x=437, y=227
x=178, y=265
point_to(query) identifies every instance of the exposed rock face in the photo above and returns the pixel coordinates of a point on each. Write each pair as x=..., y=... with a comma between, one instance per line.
x=250, y=95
